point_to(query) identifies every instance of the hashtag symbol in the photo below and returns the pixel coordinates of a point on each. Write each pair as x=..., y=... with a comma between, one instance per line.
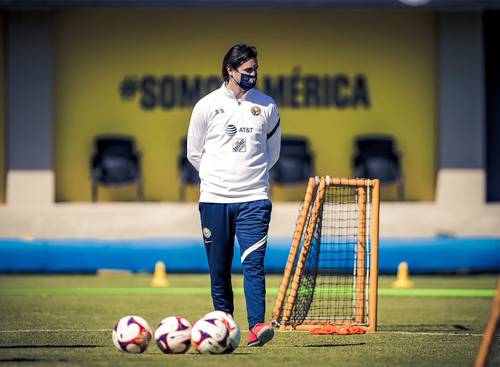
x=128, y=87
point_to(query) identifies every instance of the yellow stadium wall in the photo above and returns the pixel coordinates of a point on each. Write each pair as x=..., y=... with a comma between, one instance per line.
x=96, y=49
x=2, y=109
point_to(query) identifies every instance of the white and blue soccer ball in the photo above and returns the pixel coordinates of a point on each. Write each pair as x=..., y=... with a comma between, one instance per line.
x=210, y=336
x=173, y=335
x=231, y=325
x=132, y=334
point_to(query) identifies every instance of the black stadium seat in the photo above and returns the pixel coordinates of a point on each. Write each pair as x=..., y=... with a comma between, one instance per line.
x=115, y=162
x=296, y=162
x=375, y=156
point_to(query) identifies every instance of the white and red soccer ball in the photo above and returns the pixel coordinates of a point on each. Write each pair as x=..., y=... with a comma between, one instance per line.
x=231, y=325
x=132, y=334
x=215, y=333
x=210, y=336
x=173, y=335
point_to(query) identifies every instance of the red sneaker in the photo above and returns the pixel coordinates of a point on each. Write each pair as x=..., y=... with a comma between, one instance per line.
x=260, y=335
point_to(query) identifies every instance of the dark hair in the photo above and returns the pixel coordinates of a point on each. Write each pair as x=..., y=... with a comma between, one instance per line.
x=237, y=55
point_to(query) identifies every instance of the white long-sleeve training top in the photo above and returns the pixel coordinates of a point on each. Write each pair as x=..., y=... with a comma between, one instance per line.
x=233, y=144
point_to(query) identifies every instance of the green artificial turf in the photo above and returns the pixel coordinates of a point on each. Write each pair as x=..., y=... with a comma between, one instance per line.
x=67, y=320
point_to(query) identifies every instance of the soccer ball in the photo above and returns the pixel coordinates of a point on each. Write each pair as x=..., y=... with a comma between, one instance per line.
x=132, y=334
x=173, y=335
x=210, y=336
x=232, y=326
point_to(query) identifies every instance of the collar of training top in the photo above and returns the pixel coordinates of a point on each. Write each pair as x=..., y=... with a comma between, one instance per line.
x=230, y=94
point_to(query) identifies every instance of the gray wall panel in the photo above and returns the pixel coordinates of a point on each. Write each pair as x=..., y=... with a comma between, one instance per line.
x=29, y=86
x=461, y=91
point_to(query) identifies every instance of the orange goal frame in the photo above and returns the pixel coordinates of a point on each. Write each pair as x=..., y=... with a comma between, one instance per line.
x=315, y=195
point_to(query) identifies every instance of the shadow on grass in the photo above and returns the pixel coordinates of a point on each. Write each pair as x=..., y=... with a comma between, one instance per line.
x=425, y=328
x=47, y=346
x=461, y=327
x=202, y=355
x=330, y=345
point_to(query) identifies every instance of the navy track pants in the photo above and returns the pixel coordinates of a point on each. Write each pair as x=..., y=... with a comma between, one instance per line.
x=249, y=221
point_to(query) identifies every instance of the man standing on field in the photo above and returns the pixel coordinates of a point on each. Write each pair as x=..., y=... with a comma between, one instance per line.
x=233, y=140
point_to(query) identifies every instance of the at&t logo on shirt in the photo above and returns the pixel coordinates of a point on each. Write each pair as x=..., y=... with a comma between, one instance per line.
x=231, y=130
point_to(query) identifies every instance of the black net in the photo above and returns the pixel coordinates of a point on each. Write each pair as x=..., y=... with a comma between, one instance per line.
x=334, y=287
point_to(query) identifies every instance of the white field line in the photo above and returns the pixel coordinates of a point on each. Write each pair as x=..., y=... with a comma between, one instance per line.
x=63, y=331
x=426, y=333
x=400, y=332
x=244, y=331
x=56, y=330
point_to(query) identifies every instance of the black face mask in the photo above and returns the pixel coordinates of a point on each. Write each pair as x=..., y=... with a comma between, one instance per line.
x=247, y=81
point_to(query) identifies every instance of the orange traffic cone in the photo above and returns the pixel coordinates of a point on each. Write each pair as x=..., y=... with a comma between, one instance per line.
x=160, y=276
x=403, y=277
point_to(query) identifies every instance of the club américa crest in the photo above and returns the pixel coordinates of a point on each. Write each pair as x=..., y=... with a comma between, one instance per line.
x=206, y=232
x=255, y=110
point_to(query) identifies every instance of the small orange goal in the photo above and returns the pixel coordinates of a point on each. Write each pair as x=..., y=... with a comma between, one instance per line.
x=331, y=276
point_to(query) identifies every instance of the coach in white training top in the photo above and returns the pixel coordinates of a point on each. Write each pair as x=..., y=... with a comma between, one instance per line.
x=233, y=140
